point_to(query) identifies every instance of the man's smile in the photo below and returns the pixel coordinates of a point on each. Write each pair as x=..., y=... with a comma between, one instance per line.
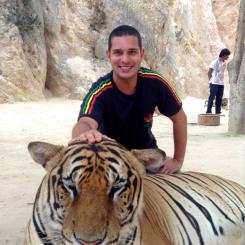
x=125, y=68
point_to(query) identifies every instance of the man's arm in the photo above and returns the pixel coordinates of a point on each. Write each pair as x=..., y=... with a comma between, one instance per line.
x=84, y=124
x=210, y=71
x=180, y=135
x=174, y=164
x=86, y=130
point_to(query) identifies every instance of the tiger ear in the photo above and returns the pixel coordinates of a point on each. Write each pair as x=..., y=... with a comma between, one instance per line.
x=152, y=159
x=42, y=153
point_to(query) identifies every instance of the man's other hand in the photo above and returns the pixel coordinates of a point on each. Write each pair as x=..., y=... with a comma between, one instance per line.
x=171, y=166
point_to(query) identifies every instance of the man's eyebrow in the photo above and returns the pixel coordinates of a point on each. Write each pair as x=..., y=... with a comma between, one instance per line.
x=133, y=49
x=116, y=49
x=130, y=49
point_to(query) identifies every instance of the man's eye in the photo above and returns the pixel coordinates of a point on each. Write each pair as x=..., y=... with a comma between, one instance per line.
x=117, y=52
x=133, y=52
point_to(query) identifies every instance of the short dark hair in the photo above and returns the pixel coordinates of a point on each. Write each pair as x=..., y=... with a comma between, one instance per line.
x=224, y=52
x=124, y=30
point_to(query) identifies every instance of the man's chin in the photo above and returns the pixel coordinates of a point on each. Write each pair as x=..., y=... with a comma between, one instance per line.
x=127, y=74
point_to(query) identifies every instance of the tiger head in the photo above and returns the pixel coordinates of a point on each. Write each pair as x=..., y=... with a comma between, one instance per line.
x=91, y=194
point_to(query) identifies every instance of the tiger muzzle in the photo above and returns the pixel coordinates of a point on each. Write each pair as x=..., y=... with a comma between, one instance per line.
x=81, y=242
x=86, y=221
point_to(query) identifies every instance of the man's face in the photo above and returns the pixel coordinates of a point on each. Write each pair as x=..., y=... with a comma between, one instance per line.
x=125, y=57
x=225, y=57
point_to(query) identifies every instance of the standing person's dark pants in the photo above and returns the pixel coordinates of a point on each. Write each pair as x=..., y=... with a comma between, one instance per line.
x=216, y=92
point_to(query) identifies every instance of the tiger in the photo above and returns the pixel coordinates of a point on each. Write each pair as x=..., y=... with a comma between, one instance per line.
x=91, y=194
x=104, y=194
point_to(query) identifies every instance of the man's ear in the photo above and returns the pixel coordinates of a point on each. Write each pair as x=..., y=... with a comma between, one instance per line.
x=108, y=54
x=142, y=52
x=42, y=153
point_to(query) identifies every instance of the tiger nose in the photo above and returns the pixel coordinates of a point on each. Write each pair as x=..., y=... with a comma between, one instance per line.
x=89, y=243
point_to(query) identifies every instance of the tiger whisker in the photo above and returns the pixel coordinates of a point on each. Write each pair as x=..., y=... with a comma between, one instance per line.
x=126, y=240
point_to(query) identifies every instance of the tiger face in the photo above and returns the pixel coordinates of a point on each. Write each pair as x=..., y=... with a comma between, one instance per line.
x=91, y=194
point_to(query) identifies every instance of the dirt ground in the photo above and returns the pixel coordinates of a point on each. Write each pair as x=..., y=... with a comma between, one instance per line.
x=210, y=149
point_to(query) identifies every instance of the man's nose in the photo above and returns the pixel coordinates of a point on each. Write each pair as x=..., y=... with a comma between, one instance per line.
x=125, y=58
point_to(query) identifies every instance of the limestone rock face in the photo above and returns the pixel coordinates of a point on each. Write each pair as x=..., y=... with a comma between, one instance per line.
x=226, y=14
x=22, y=53
x=194, y=43
x=71, y=31
x=237, y=78
x=60, y=45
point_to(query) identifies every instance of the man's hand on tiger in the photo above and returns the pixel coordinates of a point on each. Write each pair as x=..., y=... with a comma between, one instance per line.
x=91, y=136
x=171, y=166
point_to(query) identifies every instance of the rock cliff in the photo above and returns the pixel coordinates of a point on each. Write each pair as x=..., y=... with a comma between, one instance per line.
x=58, y=47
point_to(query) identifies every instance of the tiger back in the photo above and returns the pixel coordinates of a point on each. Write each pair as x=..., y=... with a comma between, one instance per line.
x=194, y=208
x=190, y=207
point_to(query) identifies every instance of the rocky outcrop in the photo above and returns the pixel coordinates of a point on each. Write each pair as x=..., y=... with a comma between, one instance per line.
x=226, y=13
x=195, y=42
x=22, y=52
x=237, y=78
x=59, y=45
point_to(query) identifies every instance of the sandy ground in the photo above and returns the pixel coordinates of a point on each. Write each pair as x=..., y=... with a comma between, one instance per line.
x=210, y=149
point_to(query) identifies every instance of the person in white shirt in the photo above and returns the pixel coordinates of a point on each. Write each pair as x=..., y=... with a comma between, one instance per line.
x=216, y=81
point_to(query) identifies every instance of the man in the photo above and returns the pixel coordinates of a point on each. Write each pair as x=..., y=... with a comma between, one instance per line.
x=216, y=80
x=121, y=104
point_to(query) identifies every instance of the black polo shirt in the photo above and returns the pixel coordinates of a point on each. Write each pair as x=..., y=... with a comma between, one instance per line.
x=128, y=118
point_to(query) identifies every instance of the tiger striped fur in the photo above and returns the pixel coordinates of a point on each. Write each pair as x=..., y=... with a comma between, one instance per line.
x=195, y=208
x=93, y=194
